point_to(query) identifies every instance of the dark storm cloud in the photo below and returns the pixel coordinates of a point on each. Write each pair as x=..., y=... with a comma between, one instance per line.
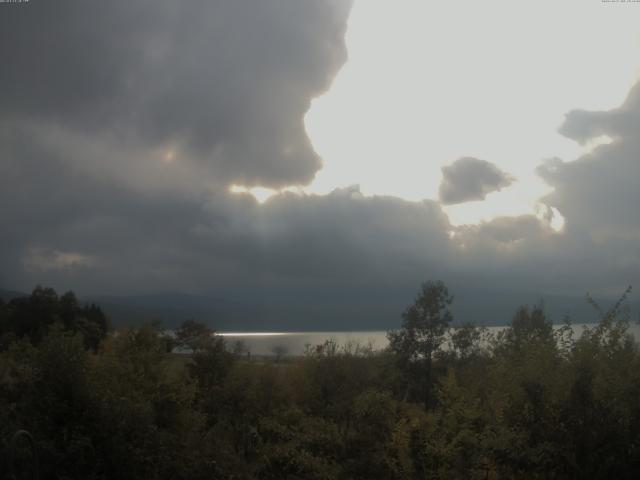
x=342, y=237
x=122, y=124
x=599, y=192
x=53, y=208
x=223, y=83
x=468, y=179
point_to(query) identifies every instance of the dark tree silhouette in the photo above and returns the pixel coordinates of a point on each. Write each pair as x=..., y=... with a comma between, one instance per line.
x=424, y=326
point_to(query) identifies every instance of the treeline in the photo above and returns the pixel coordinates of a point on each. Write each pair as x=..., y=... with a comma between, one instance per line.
x=440, y=402
x=32, y=316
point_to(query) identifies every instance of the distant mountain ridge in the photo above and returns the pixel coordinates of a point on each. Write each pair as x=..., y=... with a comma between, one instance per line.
x=7, y=295
x=326, y=311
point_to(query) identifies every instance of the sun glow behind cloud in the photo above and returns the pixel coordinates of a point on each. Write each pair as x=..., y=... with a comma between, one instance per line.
x=429, y=82
x=261, y=194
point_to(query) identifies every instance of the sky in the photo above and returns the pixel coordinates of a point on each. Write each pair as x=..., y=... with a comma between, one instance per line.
x=320, y=146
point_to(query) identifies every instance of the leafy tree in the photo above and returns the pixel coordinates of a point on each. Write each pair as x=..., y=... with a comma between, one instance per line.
x=211, y=362
x=33, y=315
x=375, y=447
x=530, y=325
x=467, y=340
x=193, y=335
x=454, y=441
x=93, y=324
x=144, y=399
x=279, y=351
x=424, y=326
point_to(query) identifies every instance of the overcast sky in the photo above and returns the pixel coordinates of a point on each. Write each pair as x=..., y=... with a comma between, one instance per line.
x=482, y=143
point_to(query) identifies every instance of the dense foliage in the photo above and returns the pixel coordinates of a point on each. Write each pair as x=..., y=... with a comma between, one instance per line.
x=531, y=402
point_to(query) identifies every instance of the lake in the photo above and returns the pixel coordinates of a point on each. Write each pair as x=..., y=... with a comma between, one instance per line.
x=293, y=343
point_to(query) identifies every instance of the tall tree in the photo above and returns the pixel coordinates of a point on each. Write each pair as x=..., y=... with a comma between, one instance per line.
x=424, y=326
x=193, y=335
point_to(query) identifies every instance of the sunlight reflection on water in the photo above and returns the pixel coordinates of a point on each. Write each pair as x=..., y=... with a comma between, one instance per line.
x=293, y=343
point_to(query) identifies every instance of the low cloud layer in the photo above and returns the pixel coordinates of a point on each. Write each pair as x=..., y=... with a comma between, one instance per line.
x=39, y=259
x=469, y=179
